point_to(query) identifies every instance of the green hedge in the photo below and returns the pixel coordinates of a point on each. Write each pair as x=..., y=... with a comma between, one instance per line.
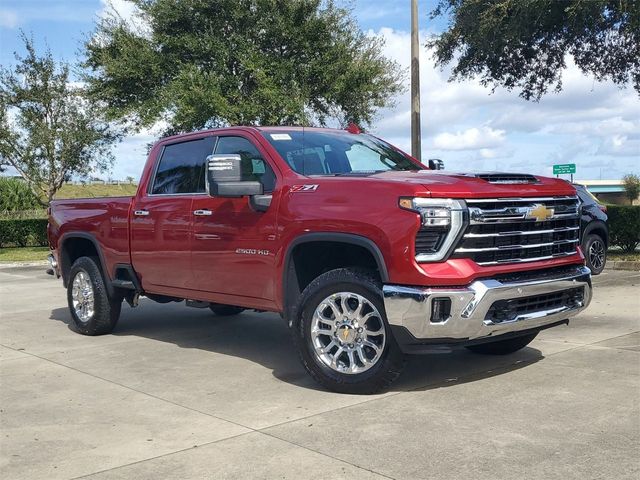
x=23, y=232
x=624, y=226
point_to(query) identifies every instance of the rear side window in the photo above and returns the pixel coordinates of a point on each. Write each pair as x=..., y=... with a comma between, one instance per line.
x=182, y=167
x=254, y=167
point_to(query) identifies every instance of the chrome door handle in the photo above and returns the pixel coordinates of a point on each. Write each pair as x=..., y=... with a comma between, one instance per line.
x=141, y=213
x=202, y=213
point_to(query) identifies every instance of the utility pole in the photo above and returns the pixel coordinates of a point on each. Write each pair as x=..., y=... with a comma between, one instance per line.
x=416, y=142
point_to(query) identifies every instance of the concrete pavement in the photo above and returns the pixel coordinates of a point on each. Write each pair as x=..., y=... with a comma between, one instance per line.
x=179, y=393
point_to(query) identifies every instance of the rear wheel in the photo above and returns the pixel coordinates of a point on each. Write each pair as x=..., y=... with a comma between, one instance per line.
x=342, y=334
x=225, y=310
x=595, y=253
x=503, y=347
x=93, y=311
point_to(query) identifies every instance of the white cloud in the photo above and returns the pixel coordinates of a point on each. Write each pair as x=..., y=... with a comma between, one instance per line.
x=125, y=10
x=470, y=139
x=8, y=18
x=620, y=145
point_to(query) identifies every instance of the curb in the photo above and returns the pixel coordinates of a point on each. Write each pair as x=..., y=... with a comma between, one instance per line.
x=633, y=265
x=38, y=263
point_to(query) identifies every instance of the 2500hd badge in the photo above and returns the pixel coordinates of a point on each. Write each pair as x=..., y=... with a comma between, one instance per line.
x=251, y=251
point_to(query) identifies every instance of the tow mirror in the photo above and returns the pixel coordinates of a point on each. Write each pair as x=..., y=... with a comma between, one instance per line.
x=436, y=164
x=224, y=177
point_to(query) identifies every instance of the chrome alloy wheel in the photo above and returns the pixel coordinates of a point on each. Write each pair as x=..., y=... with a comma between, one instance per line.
x=348, y=333
x=596, y=254
x=82, y=296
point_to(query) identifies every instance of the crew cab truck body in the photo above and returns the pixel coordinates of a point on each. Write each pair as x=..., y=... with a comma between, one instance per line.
x=365, y=253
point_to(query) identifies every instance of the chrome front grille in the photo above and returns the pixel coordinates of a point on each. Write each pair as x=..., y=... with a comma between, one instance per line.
x=520, y=230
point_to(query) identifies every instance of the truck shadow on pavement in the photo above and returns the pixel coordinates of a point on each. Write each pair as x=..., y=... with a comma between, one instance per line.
x=263, y=338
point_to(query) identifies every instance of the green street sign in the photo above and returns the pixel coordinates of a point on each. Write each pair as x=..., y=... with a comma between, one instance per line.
x=564, y=169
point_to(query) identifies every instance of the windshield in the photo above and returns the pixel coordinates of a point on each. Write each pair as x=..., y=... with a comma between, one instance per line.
x=336, y=153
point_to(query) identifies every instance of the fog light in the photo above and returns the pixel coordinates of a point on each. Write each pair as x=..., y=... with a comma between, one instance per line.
x=440, y=309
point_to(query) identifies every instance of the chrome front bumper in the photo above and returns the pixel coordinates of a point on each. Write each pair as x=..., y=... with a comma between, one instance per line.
x=411, y=307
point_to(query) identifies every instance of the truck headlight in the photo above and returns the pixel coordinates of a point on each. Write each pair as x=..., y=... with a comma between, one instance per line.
x=442, y=221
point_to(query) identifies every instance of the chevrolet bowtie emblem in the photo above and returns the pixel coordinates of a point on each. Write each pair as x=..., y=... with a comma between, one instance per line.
x=539, y=212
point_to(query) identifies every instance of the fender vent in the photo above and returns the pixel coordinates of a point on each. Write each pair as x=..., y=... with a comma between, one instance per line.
x=507, y=178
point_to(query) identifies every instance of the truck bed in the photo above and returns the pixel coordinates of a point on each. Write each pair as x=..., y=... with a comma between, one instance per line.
x=105, y=219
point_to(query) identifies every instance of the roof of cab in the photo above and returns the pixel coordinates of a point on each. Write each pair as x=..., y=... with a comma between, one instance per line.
x=252, y=128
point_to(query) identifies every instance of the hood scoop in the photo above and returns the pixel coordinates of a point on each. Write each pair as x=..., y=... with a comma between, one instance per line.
x=507, y=178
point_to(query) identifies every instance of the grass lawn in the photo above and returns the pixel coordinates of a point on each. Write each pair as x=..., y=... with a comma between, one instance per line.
x=23, y=254
x=96, y=190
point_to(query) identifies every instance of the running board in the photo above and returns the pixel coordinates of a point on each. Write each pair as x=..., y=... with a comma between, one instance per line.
x=197, y=304
x=126, y=284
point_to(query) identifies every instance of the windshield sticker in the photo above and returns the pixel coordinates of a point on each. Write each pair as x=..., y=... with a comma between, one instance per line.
x=280, y=136
x=304, y=188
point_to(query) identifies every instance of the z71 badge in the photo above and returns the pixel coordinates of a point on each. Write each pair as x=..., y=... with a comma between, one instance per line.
x=304, y=188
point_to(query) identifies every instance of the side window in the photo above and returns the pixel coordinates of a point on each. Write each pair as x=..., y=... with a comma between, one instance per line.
x=254, y=167
x=181, y=167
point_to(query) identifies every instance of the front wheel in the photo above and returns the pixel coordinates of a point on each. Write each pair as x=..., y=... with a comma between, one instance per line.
x=503, y=347
x=342, y=334
x=93, y=311
x=595, y=253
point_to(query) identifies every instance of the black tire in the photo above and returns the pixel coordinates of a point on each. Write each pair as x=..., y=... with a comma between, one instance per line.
x=595, y=252
x=225, y=310
x=106, y=310
x=391, y=361
x=503, y=347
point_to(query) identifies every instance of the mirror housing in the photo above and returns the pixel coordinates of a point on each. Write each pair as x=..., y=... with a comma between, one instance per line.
x=224, y=177
x=436, y=164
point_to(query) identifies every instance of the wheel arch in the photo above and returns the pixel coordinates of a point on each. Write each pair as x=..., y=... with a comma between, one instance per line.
x=597, y=227
x=291, y=285
x=85, y=244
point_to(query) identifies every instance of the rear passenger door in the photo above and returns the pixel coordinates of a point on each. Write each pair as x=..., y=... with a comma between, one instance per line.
x=162, y=216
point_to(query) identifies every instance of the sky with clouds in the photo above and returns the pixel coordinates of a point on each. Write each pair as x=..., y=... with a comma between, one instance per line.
x=595, y=125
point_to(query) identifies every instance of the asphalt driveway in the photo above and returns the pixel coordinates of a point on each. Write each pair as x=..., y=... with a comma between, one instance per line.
x=178, y=393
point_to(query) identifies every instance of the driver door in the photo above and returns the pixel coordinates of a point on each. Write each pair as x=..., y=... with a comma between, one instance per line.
x=233, y=244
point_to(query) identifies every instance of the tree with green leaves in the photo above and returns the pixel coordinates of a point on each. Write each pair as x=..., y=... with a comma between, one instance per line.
x=15, y=195
x=524, y=44
x=198, y=64
x=49, y=129
x=631, y=184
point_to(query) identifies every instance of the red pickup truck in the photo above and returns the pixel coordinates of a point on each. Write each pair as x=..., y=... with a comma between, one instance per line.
x=366, y=253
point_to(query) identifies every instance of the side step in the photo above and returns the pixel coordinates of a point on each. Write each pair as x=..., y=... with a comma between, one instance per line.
x=197, y=304
x=127, y=284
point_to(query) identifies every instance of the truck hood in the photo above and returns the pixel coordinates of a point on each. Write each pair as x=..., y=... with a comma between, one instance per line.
x=479, y=185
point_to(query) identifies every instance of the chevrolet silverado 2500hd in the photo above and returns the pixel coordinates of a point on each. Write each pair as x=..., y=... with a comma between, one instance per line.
x=366, y=253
